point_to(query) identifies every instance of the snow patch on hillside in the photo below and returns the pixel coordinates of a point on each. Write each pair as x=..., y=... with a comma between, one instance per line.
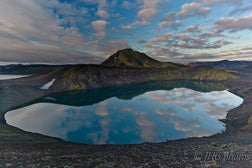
x=48, y=85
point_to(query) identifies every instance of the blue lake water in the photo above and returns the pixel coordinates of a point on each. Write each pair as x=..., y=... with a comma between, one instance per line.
x=152, y=115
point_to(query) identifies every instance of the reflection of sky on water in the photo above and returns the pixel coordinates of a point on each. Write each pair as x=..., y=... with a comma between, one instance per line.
x=154, y=116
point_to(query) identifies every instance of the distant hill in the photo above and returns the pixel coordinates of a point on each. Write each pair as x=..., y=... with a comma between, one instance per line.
x=19, y=69
x=224, y=64
x=130, y=58
x=122, y=68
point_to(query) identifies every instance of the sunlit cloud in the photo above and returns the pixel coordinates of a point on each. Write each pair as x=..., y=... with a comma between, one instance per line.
x=192, y=29
x=89, y=31
x=232, y=24
x=146, y=14
x=193, y=9
x=149, y=10
x=99, y=27
x=128, y=5
x=217, y=2
x=160, y=39
x=171, y=20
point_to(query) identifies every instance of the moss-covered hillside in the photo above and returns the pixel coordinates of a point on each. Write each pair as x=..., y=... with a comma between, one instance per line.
x=130, y=58
x=97, y=76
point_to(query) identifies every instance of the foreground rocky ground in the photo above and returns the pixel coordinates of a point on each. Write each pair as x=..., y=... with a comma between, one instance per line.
x=233, y=148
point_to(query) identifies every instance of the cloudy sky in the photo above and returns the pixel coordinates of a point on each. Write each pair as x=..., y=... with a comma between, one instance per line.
x=88, y=31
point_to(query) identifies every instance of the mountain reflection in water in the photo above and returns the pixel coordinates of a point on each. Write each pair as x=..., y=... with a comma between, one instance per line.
x=138, y=113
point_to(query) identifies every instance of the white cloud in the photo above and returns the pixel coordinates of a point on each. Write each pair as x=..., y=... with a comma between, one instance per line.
x=147, y=13
x=148, y=10
x=127, y=27
x=99, y=27
x=151, y=4
x=217, y=2
x=102, y=9
x=136, y=23
x=30, y=32
x=163, y=24
x=193, y=9
x=192, y=29
x=233, y=24
x=170, y=16
x=160, y=39
x=102, y=13
x=237, y=54
x=170, y=20
x=197, y=41
x=51, y=30
x=128, y=5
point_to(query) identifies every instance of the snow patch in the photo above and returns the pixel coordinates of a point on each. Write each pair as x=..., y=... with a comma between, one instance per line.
x=48, y=85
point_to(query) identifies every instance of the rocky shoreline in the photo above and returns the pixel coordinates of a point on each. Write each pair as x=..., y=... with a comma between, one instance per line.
x=232, y=148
